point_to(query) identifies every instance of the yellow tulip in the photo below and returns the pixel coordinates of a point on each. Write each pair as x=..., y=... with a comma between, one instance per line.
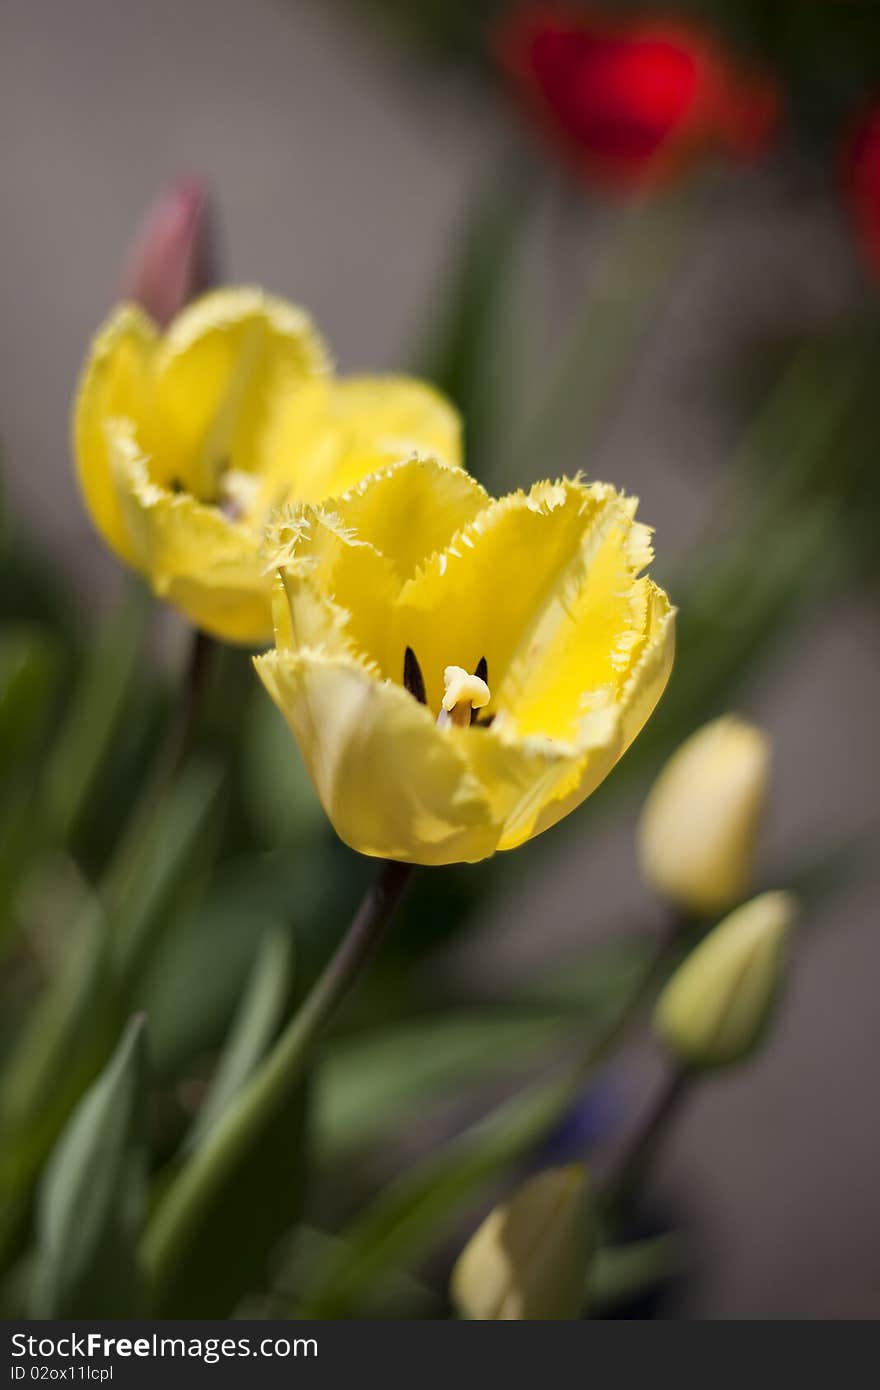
x=460, y=673
x=699, y=826
x=528, y=1260
x=186, y=441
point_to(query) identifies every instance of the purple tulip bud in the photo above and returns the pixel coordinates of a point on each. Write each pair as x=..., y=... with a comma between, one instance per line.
x=172, y=257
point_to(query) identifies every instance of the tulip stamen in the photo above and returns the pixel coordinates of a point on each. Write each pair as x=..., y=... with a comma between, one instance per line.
x=413, y=679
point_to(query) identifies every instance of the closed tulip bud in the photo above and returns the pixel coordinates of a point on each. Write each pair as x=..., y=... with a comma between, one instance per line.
x=528, y=1260
x=715, y=1009
x=699, y=826
x=172, y=258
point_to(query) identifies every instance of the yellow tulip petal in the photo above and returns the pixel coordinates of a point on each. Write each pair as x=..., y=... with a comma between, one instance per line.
x=632, y=705
x=197, y=559
x=411, y=509
x=585, y=634
x=515, y=586
x=221, y=367
x=519, y=777
x=326, y=559
x=324, y=439
x=391, y=783
x=116, y=385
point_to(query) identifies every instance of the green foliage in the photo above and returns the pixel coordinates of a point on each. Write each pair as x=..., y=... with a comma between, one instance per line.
x=92, y=715
x=258, y=1193
x=29, y=671
x=91, y=1196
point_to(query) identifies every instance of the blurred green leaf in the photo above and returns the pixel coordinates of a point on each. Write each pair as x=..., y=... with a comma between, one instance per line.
x=172, y=850
x=189, y=1006
x=366, y=1082
x=619, y=1273
x=58, y=1051
x=68, y=1036
x=97, y=704
x=29, y=669
x=400, y=1224
x=281, y=802
x=254, y=1027
x=90, y=1196
x=225, y=1250
x=222, y=1246
x=394, y=1297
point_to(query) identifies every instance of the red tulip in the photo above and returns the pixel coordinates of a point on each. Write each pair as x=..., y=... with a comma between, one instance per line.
x=631, y=103
x=171, y=259
x=862, y=178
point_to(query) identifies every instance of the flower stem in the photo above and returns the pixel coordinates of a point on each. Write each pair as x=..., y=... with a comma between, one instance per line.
x=184, y=724
x=642, y=1147
x=196, y=1194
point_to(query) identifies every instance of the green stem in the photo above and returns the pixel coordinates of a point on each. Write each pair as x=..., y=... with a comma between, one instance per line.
x=182, y=731
x=641, y=1149
x=192, y=1199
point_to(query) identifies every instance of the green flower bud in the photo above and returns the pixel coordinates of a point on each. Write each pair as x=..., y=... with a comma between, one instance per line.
x=528, y=1260
x=699, y=825
x=717, y=1005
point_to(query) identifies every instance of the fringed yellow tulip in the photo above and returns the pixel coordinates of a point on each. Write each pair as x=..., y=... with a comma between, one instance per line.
x=459, y=672
x=186, y=442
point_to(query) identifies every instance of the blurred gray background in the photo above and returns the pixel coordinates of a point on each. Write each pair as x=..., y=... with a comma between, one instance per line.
x=342, y=179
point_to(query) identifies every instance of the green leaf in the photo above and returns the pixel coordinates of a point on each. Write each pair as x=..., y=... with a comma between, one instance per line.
x=258, y=1194
x=62, y=1045
x=190, y=1007
x=223, y=1253
x=404, y=1220
x=254, y=1027
x=619, y=1273
x=368, y=1081
x=29, y=669
x=97, y=704
x=68, y=1036
x=90, y=1197
x=281, y=802
x=140, y=886
x=399, y=1225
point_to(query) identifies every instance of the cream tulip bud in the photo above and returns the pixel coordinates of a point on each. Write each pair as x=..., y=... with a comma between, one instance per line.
x=528, y=1260
x=716, y=1007
x=699, y=825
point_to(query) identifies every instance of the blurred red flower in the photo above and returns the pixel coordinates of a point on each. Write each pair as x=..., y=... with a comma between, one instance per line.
x=862, y=178
x=632, y=102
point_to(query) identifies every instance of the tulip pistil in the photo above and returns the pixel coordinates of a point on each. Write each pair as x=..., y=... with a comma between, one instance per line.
x=464, y=694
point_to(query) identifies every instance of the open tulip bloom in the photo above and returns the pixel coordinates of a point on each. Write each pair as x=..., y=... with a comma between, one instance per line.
x=461, y=672
x=187, y=441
